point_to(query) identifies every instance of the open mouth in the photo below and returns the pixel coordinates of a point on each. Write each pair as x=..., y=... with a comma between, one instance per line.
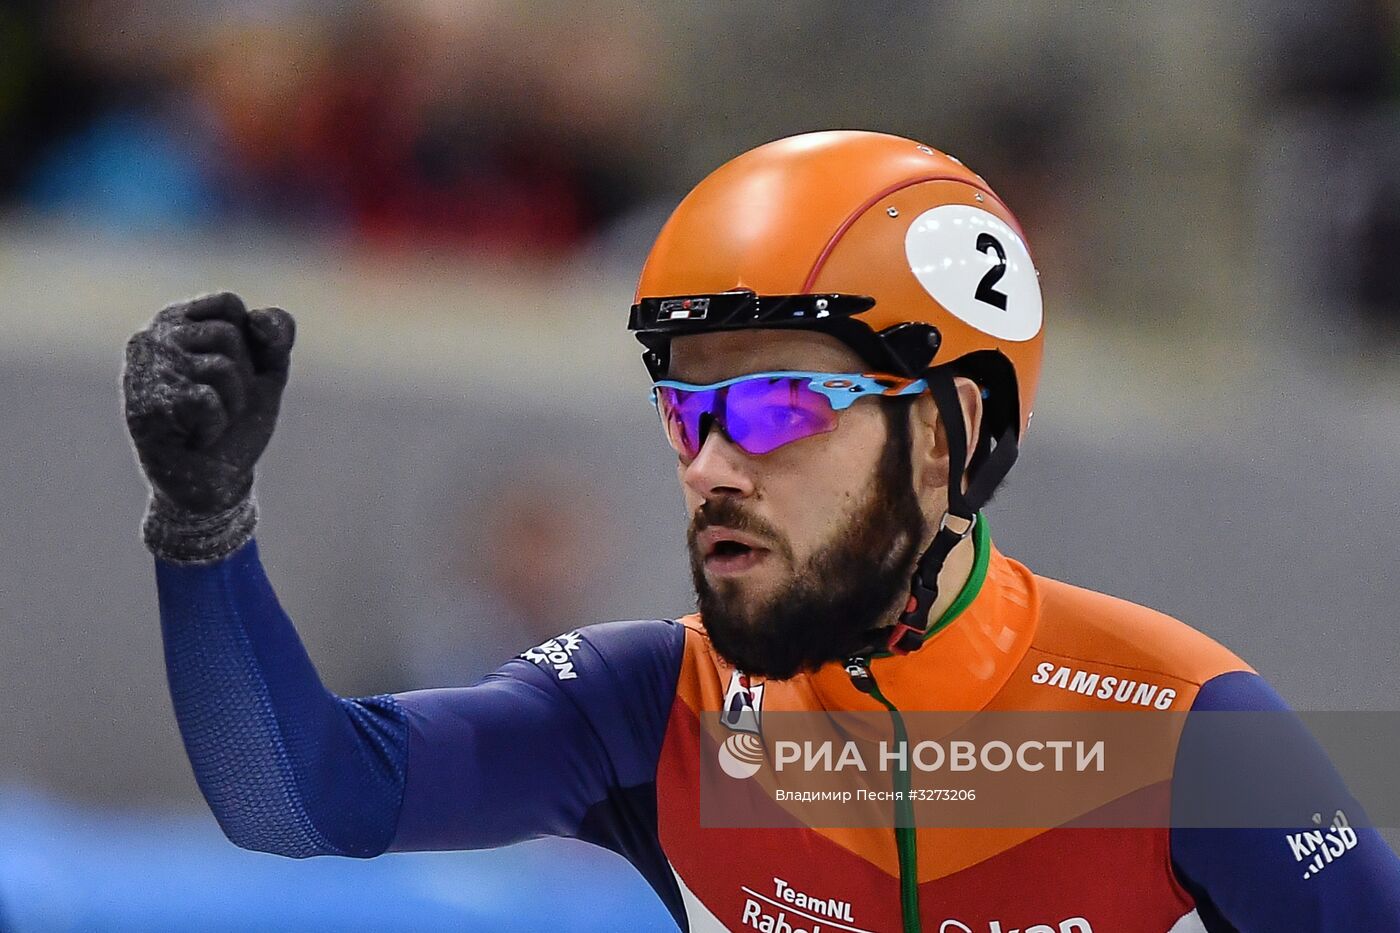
x=729, y=549
x=726, y=555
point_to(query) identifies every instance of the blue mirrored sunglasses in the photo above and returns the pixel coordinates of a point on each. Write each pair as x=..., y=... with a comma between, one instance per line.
x=761, y=412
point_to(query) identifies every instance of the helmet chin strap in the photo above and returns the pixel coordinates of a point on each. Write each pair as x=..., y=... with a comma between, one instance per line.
x=957, y=523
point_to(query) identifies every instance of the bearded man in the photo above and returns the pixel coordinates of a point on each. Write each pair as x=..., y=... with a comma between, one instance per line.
x=844, y=333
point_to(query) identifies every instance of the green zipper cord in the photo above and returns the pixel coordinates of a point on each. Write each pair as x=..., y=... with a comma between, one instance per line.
x=905, y=832
x=905, y=839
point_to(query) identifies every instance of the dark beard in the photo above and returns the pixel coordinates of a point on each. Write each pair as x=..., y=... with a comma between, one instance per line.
x=840, y=596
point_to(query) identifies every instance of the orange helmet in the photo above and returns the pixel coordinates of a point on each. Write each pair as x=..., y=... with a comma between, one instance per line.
x=914, y=260
x=896, y=249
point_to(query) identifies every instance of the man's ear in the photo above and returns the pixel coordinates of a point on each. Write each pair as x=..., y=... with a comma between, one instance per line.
x=970, y=398
x=934, y=443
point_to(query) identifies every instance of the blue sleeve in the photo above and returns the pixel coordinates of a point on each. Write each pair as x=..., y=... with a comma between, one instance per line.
x=289, y=767
x=285, y=765
x=550, y=744
x=1319, y=869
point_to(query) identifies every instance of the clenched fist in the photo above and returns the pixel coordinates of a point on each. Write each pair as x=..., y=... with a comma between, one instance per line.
x=201, y=391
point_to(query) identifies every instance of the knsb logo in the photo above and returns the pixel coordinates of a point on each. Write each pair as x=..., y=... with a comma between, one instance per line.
x=557, y=653
x=1321, y=847
x=1071, y=925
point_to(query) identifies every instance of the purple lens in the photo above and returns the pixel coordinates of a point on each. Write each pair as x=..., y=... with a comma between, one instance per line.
x=681, y=411
x=759, y=415
x=762, y=415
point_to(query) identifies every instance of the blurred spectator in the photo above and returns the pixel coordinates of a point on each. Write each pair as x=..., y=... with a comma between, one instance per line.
x=416, y=122
x=1344, y=53
x=163, y=150
x=522, y=563
x=1377, y=238
x=1333, y=99
x=46, y=92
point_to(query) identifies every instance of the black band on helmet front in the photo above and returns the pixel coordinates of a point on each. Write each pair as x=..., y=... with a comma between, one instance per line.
x=684, y=314
x=906, y=349
x=656, y=321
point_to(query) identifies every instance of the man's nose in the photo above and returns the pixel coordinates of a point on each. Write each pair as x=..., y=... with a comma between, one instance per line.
x=719, y=469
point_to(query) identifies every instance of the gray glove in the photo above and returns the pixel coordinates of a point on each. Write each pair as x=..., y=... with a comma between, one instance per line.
x=201, y=391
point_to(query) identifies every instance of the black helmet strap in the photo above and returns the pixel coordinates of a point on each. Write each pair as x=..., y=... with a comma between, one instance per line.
x=957, y=523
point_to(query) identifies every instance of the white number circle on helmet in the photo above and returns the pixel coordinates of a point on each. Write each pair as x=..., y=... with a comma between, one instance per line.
x=978, y=268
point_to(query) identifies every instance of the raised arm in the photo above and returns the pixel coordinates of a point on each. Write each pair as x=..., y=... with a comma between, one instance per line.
x=285, y=764
x=288, y=767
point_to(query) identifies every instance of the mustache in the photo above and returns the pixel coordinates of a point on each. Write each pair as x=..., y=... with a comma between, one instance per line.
x=728, y=513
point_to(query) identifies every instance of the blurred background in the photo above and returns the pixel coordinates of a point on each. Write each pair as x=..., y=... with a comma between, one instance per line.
x=454, y=198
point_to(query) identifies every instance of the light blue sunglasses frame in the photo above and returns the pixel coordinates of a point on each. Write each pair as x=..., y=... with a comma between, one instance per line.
x=841, y=389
